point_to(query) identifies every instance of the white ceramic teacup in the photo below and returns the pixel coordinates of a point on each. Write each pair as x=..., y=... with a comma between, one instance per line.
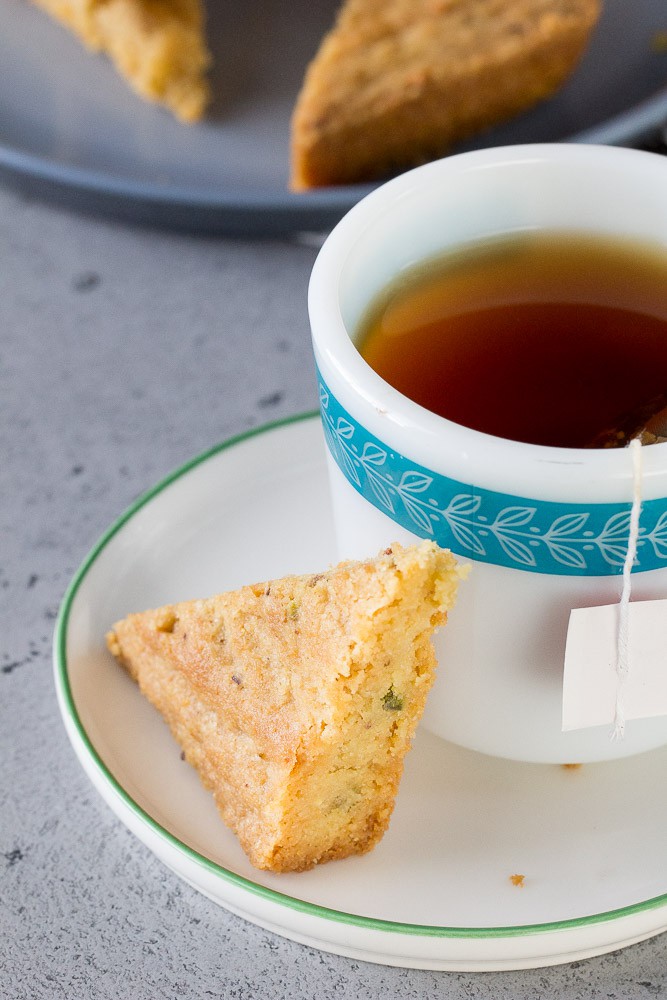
x=544, y=528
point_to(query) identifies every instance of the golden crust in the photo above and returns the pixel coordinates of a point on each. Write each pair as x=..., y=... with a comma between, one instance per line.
x=296, y=700
x=396, y=82
x=157, y=45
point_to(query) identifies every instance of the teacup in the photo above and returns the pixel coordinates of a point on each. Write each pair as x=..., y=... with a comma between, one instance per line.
x=542, y=527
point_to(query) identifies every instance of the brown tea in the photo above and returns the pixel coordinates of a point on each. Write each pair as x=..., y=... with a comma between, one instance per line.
x=549, y=338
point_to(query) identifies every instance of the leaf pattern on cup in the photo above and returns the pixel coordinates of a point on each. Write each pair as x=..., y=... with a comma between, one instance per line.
x=537, y=536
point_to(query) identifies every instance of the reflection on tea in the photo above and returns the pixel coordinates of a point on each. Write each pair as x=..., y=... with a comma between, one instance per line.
x=544, y=337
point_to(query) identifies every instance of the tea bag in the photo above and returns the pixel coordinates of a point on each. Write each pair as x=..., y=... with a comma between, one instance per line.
x=647, y=424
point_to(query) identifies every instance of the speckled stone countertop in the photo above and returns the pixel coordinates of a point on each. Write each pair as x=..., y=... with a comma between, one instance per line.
x=124, y=352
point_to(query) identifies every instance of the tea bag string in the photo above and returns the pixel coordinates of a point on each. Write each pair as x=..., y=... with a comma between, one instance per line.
x=622, y=643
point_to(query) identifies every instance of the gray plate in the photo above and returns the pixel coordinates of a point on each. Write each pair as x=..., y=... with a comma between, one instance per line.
x=71, y=130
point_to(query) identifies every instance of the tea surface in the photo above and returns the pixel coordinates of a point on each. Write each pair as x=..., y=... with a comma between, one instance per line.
x=549, y=338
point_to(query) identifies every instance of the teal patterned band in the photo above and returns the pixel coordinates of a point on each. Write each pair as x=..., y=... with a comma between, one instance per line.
x=535, y=535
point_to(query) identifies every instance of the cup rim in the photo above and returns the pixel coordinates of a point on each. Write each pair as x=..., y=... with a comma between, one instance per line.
x=336, y=351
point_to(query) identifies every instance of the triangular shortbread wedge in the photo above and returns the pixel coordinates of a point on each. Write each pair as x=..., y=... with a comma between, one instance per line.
x=396, y=82
x=296, y=700
x=159, y=46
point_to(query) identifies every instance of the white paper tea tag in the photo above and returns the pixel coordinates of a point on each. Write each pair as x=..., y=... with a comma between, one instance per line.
x=592, y=685
x=616, y=655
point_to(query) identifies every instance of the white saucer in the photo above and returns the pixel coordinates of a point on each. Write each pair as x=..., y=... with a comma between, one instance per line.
x=437, y=891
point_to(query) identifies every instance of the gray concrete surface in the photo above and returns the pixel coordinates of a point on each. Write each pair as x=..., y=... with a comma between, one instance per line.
x=123, y=352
